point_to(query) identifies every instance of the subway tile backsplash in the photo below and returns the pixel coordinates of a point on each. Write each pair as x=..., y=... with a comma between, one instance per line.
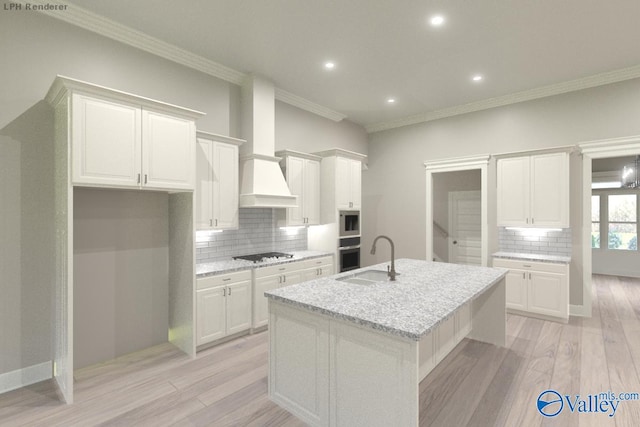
x=535, y=241
x=257, y=232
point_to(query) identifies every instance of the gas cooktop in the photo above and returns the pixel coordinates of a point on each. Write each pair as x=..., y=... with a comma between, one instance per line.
x=264, y=256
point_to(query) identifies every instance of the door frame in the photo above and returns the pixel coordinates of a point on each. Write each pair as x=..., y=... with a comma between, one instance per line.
x=480, y=162
x=599, y=149
x=452, y=195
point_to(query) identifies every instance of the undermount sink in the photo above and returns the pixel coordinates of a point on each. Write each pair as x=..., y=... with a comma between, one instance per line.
x=368, y=277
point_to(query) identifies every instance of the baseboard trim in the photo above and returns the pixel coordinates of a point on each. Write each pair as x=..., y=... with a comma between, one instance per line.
x=25, y=376
x=576, y=310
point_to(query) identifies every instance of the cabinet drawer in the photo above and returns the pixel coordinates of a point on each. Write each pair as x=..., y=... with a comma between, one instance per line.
x=547, y=267
x=279, y=269
x=318, y=262
x=223, y=279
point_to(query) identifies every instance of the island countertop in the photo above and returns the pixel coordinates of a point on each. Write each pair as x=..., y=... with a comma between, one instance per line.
x=424, y=294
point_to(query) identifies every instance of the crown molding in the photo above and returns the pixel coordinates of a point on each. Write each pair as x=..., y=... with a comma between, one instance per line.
x=457, y=162
x=527, y=95
x=106, y=27
x=305, y=104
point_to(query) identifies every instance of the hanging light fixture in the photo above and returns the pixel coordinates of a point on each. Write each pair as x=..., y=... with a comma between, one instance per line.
x=630, y=178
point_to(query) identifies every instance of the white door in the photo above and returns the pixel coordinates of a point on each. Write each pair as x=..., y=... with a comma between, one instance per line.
x=260, y=306
x=546, y=294
x=356, y=184
x=465, y=227
x=225, y=186
x=238, y=307
x=343, y=183
x=204, y=185
x=312, y=191
x=106, y=140
x=513, y=192
x=549, y=190
x=168, y=151
x=211, y=315
x=517, y=285
x=295, y=181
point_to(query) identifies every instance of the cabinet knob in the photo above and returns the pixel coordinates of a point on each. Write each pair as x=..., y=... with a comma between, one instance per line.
x=229, y=291
x=455, y=242
x=138, y=178
x=145, y=178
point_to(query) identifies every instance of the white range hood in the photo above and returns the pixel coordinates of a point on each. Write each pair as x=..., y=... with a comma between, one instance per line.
x=262, y=184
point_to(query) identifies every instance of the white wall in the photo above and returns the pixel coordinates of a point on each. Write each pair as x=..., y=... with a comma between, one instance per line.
x=302, y=131
x=394, y=185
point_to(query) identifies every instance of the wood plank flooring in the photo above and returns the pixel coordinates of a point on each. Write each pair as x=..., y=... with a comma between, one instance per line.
x=476, y=385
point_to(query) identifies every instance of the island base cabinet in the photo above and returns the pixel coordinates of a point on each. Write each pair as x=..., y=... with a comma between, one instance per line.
x=299, y=363
x=317, y=363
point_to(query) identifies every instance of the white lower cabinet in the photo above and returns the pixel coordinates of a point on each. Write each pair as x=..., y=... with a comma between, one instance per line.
x=277, y=276
x=540, y=288
x=223, y=306
x=318, y=267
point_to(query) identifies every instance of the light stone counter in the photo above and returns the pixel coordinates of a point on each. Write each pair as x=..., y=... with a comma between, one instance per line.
x=230, y=265
x=423, y=295
x=533, y=257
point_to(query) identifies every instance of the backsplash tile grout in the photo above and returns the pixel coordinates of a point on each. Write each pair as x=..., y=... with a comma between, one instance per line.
x=257, y=232
x=535, y=241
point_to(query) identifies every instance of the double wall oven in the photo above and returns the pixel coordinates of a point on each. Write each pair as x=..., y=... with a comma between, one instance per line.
x=349, y=240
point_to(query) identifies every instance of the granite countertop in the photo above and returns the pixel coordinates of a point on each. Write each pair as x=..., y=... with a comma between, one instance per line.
x=230, y=265
x=424, y=294
x=533, y=257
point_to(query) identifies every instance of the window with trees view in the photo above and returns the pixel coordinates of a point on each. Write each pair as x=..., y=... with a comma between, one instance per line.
x=614, y=214
x=622, y=221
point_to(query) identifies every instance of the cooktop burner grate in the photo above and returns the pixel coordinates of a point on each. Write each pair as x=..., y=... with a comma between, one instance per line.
x=263, y=256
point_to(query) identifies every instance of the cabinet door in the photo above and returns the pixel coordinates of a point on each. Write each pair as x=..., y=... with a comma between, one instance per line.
x=106, y=141
x=445, y=338
x=168, y=151
x=311, y=192
x=516, y=289
x=238, y=307
x=343, y=183
x=513, y=192
x=260, y=306
x=204, y=185
x=548, y=294
x=550, y=190
x=210, y=315
x=225, y=186
x=355, y=168
x=295, y=181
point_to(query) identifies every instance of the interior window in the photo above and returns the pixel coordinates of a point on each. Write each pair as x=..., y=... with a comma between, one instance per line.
x=622, y=232
x=595, y=221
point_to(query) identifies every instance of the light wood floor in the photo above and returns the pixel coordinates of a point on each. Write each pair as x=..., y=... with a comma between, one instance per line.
x=476, y=385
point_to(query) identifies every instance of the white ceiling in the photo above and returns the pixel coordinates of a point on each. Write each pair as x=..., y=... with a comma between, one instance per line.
x=386, y=48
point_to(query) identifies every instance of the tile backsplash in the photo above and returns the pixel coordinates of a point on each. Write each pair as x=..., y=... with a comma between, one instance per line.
x=535, y=241
x=257, y=232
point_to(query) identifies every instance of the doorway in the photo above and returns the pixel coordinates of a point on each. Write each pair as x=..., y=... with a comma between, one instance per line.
x=617, y=147
x=456, y=214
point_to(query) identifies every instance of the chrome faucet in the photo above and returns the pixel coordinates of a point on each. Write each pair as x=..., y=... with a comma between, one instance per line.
x=391, y=272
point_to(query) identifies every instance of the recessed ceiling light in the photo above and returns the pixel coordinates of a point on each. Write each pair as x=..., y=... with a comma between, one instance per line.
x=436, y=20
x=330, y=65
x=476, y=78
x=391, y=101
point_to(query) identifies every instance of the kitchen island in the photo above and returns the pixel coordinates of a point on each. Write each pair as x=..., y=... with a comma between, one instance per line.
x=351, y=349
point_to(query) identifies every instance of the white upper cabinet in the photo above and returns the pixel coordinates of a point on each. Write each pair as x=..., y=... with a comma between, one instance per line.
x=168, y=151
x=533, y=191
x=348, y=183
x=107, y=141
x=302, y=172
x=217, y=182
x=120, y=140
x=341, y=182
